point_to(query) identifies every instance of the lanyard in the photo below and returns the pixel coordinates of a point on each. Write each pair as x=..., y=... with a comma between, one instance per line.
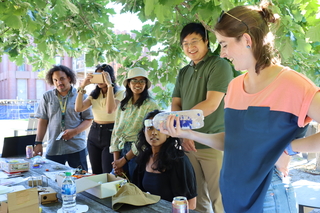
x=63, y=106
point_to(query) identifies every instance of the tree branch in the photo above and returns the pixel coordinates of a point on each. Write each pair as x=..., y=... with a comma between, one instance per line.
x=178, y=10
x=84, y=18
x=207, y=27
x=5, y=31
x=185, y=4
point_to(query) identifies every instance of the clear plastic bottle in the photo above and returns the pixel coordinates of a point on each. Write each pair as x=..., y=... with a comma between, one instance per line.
x=189, y=119
x=68, y=194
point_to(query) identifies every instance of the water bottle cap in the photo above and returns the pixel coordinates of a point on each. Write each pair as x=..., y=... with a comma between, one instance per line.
x=68, y=173
x=148, y=123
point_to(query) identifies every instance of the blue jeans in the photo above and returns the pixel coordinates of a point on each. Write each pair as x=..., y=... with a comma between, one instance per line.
x=75, y=160
x=280, y=197
x=130, y=166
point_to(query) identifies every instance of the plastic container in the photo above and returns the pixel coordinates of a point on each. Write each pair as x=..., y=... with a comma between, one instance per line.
x=68, y=194
x=189, y=119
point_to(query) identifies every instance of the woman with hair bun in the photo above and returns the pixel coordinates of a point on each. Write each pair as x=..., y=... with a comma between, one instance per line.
x=266, y=111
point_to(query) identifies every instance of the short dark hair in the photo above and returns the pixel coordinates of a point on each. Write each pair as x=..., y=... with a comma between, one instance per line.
x=196, y=28
x=69, y=72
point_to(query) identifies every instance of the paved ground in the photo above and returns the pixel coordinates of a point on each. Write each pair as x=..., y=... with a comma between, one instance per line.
x=297, y=165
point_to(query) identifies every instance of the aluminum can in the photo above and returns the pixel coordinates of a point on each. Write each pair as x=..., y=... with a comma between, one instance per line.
x=29, y=151
x=180, y=205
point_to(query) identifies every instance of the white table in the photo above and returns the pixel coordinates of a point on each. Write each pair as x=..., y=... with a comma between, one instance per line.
x=308, y=194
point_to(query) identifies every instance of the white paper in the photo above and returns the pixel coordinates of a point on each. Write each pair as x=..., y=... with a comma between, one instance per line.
x=80, y=209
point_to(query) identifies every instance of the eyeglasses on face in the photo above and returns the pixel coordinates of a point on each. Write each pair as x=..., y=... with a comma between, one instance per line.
x=193, y=43
x=223, y=13
x=135, y=81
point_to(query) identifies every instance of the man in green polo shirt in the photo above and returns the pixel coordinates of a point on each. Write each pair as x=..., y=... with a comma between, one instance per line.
x=202, y=84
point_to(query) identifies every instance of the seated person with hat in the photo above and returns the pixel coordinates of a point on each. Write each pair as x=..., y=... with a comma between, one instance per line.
x=162, y=167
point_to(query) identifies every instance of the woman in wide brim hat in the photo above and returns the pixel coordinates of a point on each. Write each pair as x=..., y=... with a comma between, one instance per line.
x=129, y=117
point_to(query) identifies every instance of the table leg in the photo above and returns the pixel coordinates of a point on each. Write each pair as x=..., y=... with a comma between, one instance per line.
x=301, y=210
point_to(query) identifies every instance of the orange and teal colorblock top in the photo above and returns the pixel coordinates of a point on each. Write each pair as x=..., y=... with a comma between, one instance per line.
x=258, y=127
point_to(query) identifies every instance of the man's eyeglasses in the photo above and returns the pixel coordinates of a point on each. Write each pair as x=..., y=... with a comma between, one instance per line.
x=135, y=81
x=192, y=43
x=222, y=14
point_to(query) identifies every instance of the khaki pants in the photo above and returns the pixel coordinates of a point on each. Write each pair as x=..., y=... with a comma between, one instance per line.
x=207, y=165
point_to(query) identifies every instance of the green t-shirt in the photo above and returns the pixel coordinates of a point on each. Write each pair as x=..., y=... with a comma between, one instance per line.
x=211, y=74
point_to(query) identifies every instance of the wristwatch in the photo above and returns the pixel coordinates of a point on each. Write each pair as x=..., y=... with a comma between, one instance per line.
x=38, y=142
x=82, y=90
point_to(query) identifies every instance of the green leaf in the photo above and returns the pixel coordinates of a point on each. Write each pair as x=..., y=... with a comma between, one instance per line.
x=205, y=13
x=71, y=7
x=13, y=21
x=20, y=59
x=161, y=12
x=287, y=49
x=40, y=3
x=171, y=2
x=42, y=46
x=157, y=89
x=14, y=52
x=19, y=11
x=303, y=46
x=149, y=6
x=313, y=34
x=60, y=8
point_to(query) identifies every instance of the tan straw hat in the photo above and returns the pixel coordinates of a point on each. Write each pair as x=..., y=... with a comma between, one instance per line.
x=137, y=72
x=132, y=195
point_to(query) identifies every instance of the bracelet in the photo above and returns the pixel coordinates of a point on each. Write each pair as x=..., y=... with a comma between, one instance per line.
x=38, y=142
x=125, y=157
x=289, y=151
x=81, y=90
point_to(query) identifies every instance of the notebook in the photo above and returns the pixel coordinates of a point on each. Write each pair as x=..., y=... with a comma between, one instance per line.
x=16, y=146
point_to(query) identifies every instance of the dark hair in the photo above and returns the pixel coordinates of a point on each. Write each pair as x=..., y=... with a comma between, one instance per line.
x=170, y=150
x=196, y=28
x=255, y=23
x=69, y=72
x=129, y=94
x=106, y=68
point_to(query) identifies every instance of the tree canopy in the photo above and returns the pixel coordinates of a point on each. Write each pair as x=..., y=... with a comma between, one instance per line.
x=35, y=31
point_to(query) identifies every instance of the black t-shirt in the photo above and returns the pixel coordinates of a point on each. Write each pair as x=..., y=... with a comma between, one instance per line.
x=178, y=181
x=163, y=186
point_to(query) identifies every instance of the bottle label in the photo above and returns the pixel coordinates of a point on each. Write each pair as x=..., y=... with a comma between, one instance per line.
x=68, y=189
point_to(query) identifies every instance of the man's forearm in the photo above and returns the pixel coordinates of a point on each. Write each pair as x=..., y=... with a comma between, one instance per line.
x=83, y=126
x=206, y=107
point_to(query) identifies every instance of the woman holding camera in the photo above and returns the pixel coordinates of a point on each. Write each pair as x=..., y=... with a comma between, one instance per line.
x=104, y=100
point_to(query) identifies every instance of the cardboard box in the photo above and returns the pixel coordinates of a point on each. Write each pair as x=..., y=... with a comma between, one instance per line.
x=13, y=166
x=21, y=202
x=101, y=186
x=107, y=185
x=47, y=195
x=3, y=207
